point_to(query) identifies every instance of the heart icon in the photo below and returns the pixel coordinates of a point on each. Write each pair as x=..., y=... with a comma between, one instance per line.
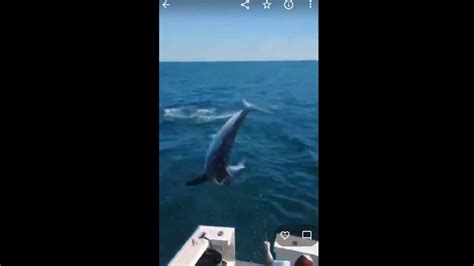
x=284, y=234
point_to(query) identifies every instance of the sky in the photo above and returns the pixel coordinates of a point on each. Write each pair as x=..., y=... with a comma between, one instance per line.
x=222, y=30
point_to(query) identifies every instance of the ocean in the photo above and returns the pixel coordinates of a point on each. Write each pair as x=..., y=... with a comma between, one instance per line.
x=280, y=183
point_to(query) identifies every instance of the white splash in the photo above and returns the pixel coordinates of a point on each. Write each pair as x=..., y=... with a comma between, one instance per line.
x=200, y=115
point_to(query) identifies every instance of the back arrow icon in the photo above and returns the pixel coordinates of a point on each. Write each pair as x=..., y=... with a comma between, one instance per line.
x=165, y=4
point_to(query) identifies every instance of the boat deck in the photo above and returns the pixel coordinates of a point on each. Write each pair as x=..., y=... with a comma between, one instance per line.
x=244, y=263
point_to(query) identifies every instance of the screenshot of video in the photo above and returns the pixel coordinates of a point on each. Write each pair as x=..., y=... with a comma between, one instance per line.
x=238, y=132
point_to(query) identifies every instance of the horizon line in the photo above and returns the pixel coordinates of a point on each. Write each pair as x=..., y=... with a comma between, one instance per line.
x=236, y=61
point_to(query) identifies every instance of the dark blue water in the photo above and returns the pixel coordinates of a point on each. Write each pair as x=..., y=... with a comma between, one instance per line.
x=280, y=182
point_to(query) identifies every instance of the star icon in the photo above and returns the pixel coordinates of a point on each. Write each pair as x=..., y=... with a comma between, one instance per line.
x=266, y=5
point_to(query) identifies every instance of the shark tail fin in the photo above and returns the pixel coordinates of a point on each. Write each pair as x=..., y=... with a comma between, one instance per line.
x=254, y=107
x=198, y=181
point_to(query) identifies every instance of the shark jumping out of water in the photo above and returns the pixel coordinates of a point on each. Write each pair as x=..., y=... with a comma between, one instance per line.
x=217, y=157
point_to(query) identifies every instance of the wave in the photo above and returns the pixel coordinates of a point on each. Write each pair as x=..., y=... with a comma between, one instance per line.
x=175, y=112
x=199, y=115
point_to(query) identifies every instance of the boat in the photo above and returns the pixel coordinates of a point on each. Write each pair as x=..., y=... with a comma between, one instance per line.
x=218, y=243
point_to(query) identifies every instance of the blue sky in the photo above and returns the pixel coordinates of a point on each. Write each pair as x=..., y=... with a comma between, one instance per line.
x=231, y=33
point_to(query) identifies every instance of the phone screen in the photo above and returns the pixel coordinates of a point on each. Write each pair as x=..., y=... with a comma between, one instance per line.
x=238, y=132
